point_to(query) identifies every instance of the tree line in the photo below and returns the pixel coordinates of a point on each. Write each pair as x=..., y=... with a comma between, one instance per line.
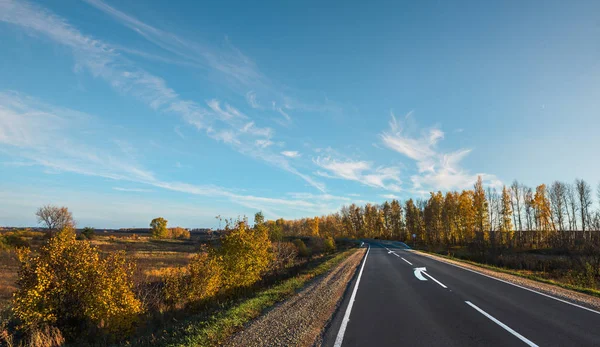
x=558, y=215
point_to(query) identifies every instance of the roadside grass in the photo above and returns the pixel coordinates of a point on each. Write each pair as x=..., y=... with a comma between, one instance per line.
x=521, y=273
x=199, y=331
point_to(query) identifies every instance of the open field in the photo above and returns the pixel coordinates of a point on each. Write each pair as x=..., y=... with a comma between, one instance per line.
x=152, y=257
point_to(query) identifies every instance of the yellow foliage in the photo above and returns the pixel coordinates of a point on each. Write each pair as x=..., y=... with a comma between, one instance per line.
x=205, y=276
x=541, y=205
x=200, y=280
x=68, y=283
x=245, y=254
x=506, y=227
x=329, y=244
x=179, y=233
x=159, y=228
x=176, y=286
x=303, y=251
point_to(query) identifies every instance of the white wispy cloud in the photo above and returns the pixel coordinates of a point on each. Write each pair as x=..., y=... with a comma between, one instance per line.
x=52, y=147
x=231, y=62
x=291, y=154
x=251, y=99
x=284, y=114
x=263, y=143
x=227, y=113
x=223, y=123
x=390, y=196
x=251, y=128
x=421, y=148
x=133, y=190
x=318, y=197
x=239, y=72
x=436, y=170
x=387, y=178
x=177, y=131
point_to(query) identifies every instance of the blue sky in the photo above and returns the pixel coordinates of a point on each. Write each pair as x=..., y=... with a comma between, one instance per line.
x=124, y=111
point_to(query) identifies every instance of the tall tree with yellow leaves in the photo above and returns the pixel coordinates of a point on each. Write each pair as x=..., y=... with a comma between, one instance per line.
x=542, y=211
x=506, y=228
x=480, y=207
x=450, y=217
x=466, y=213
x=313, y=226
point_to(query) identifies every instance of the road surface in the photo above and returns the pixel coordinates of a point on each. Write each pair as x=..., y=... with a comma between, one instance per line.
x=402, y=298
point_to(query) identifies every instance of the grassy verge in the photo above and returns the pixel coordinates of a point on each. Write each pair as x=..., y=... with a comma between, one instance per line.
x=221, y=326
x=589, y=291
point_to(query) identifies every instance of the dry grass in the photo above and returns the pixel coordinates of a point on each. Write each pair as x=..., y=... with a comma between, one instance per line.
x=9, y=266
x=153, y=257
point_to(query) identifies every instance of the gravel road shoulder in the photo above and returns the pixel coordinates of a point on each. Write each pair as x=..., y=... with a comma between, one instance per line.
x=300, y=320
x=562, y=293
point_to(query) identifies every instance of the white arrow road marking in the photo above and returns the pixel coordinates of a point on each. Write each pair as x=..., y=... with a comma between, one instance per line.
x=409, y=263
x=436, y=281
x=504, y=326
x=418, y=273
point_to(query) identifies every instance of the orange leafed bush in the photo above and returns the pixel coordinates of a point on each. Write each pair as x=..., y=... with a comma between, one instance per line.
x=179, y=233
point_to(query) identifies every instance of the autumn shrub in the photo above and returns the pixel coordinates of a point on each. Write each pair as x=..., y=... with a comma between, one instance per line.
x=284, y=255
x=176, y=286
x=200, y=280
x=275, y=231
x=68, y=285
x=328, y=244
x=46, y=336
x=206, y=273
x=178, y=233
x=245, y=254
x=13, y=239
x=88, y=233
x=303, y=251
x=584, y=277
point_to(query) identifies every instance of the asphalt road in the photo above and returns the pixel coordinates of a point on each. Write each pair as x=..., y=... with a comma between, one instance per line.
x=449, y=306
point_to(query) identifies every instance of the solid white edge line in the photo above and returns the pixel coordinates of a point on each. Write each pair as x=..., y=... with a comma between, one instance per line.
x=409, y=263
x=516, y=285
x=504, y=326
x=340, y=336
x=436, y=281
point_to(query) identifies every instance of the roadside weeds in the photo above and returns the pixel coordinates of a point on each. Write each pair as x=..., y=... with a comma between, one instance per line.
x=221, y=327
x=300, y=320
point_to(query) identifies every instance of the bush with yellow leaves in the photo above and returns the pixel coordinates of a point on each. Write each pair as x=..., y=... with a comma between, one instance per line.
x=201, y=280
x=67, y=284
x=245, y=253
x=303, y=251
x=328, y=244
x=179, y=233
